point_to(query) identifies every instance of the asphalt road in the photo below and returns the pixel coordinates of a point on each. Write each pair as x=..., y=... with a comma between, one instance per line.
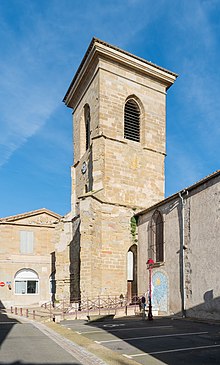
x=161, y=341
x=24, y=342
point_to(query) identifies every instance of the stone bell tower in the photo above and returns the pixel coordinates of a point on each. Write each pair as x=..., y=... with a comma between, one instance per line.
x=119, y=119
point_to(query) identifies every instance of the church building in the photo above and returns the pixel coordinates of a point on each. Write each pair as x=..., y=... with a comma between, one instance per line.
x=119, y=122
x=119, y=219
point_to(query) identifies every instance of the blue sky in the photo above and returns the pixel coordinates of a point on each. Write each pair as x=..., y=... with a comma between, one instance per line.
x=42, y=44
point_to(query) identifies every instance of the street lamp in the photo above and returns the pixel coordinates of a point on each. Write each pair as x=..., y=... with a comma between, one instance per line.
x=150, y=264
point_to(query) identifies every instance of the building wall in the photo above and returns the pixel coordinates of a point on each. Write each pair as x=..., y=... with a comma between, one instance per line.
x=12, y=260
x=201, y=296
x=105, y=240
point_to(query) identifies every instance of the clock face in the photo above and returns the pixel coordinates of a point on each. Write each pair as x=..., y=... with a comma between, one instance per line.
x=84, y=167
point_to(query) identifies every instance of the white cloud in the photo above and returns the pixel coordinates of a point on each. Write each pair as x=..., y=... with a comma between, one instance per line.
x=27, y=96
x=33, y=57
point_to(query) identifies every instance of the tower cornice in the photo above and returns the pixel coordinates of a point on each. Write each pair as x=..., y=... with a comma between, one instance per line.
x=100, y=49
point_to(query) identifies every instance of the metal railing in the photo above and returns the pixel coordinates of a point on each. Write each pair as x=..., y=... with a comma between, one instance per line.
x=100, y=305
x=82, y=308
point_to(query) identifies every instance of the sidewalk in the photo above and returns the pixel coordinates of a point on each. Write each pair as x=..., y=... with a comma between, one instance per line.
x=84, y=350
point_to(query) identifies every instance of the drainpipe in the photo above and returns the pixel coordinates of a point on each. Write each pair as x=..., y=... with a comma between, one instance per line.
x=182, y=248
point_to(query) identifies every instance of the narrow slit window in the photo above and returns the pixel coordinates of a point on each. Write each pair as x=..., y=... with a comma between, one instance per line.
x=87, y=125
x=132, y=121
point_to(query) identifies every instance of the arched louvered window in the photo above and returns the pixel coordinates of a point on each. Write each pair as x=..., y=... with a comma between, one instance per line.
x=87, y=124
x=132, y=121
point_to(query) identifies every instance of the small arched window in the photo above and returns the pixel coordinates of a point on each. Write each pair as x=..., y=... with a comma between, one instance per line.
x=156, y=249
x=132, y=121
x=26, y=282
x=87, y=124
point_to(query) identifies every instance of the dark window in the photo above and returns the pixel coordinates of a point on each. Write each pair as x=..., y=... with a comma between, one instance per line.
x=87, y=124
x=156, y=248
x=31, y=287
x=132, y=121
x=159, y=238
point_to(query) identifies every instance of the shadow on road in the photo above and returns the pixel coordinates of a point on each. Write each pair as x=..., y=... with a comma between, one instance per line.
x=162, y=346
x=6, y=323
x=46, y=363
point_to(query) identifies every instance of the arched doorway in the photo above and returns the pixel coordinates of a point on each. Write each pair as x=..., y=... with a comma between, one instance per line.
x=132, y=273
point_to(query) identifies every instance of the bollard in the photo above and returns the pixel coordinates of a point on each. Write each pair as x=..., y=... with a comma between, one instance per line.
x=33, y=314
x=11, y=309
x=21, y=312
x=26, y=312
x=16, y=310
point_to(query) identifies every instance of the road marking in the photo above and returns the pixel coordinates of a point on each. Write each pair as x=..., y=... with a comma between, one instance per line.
x=130, y=356
x=169, y=351
x=185, y=349
x=82, y=333
x=114, y=325
x=124, y=329
x=148, y=337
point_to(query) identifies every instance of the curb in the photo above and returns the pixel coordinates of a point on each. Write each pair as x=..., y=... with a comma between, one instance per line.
x=82, y=349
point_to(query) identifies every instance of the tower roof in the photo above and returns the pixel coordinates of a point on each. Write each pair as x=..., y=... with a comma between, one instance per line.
x=101, y=48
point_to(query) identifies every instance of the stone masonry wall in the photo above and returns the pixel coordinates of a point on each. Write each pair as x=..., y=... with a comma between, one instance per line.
x=105, y=240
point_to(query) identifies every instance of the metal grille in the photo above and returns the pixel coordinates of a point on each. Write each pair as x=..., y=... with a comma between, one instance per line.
x=132, y=121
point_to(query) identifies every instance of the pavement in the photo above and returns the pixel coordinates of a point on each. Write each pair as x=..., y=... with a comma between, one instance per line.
x=83, y=349
x=165, y=340
x=89, y=350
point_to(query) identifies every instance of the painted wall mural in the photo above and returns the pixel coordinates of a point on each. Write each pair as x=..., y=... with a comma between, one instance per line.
x=160, y=291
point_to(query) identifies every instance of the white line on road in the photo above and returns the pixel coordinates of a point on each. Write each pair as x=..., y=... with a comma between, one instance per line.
x=148, y=337
x=170, y=351
x=82, y=333
x=111, y=325
x=130, y=356
x=124, y=329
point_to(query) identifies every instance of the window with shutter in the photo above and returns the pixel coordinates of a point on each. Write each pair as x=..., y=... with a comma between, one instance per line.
x=26, y=242
x=132, y=121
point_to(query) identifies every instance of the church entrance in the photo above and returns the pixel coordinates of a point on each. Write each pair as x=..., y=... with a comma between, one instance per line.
x=132, y=274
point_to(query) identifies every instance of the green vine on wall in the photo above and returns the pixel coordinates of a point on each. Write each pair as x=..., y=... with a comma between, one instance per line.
x=133, y=224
